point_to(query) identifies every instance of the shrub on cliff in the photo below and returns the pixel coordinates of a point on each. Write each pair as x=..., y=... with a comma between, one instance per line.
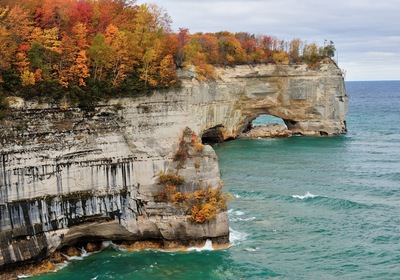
x=202, y=205
x=170, y=179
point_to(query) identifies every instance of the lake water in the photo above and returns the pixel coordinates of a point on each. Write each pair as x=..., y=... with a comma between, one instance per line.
x=304, y=207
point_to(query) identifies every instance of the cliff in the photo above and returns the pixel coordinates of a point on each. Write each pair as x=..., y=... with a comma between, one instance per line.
x=70, y=176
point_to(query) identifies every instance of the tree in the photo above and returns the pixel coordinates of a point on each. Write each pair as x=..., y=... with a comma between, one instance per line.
x=45, y=50
x=230, y=49
x=119, y=43
x=149, y=64
x=28, y=78
x=182, y=38
x=167, y=71
x=310, y=53
x=7, y=45
x=53, y=13
x=80, y=12
x=294, y=49
x=328, y=50
x=280, y=57
x=209, y=46
x=79, y=71
x=18, y=23
x=100, y=55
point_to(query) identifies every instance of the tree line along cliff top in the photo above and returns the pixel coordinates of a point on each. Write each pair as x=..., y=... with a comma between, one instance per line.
x=84, y=50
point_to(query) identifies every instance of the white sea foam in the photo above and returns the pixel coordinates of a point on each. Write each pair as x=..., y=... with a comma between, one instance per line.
x=23, y=276
x=110, y=244
x=206, y=247
x=236, y=196
x=239, y=213
x=235, y=236
x=307, y=195
x=242, y=219
x=61, y=265
x=84, y=254
x=252, y=249
x=72, y=258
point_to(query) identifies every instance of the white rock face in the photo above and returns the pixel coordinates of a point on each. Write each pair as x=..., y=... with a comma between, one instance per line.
x=63, y=170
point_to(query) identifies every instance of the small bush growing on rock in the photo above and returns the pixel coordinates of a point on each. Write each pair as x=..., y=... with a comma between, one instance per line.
x=203, y=214
x=170, y=179
x=202, y=205
x=189, y=146
x=165, y=194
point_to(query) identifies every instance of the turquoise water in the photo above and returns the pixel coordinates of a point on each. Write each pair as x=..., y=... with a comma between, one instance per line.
x=304, y=208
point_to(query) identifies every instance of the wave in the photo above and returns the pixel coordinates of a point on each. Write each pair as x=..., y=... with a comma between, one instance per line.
x=84, y=254
x=207, y=247
x=341, y=203
x=239, y=213
x=111, y=245
x=249, y=249
x=242, y=219
x=307, y=195
x=235, y=237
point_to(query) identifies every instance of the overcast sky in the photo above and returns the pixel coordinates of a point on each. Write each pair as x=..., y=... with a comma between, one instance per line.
x=366, y=33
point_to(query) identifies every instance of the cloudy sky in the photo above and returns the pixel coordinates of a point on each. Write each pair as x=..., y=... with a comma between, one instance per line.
x=366, y=33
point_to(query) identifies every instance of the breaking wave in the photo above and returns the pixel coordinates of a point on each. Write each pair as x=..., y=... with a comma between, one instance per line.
x=307, y=195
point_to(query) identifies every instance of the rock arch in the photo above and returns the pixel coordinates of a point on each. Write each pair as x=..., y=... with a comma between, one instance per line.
x=311, y=102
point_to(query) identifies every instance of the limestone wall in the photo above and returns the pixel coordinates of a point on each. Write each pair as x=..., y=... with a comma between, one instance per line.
x=64, y=171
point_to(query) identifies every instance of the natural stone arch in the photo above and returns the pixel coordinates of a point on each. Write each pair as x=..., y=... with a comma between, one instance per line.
x=311, y=103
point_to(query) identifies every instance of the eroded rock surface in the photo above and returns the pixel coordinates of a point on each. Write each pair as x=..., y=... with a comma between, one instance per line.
x=268, y=131
x=68, y=175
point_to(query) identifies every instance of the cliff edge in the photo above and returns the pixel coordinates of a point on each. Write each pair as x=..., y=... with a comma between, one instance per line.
x=70, y=176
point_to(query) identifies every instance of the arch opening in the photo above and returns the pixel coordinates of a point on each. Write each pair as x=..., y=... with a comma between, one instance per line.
x=266, y=126
x=213, y=135
x=265, y=119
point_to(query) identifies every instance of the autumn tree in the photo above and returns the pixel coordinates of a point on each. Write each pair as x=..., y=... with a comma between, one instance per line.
x=7, y=44
x=182, y=39
x=73, y=64
x=209, y=46
x=230, y=49
x=294, y=50
x=101, y=56
x=310, y=53
x=120, y=62
x=44, y=51
x=280, y=57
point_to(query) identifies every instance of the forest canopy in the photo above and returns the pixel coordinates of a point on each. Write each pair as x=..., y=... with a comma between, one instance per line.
x=51, y=49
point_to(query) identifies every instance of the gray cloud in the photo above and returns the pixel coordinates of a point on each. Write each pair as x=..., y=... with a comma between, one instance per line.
x=364, y=31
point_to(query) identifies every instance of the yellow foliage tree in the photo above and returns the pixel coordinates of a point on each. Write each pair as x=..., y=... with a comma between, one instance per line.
x=79, y=70
x=280, y=58
x=27, y=78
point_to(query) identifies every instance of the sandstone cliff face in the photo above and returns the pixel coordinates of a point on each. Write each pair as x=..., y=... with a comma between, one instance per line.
x=69, y=176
